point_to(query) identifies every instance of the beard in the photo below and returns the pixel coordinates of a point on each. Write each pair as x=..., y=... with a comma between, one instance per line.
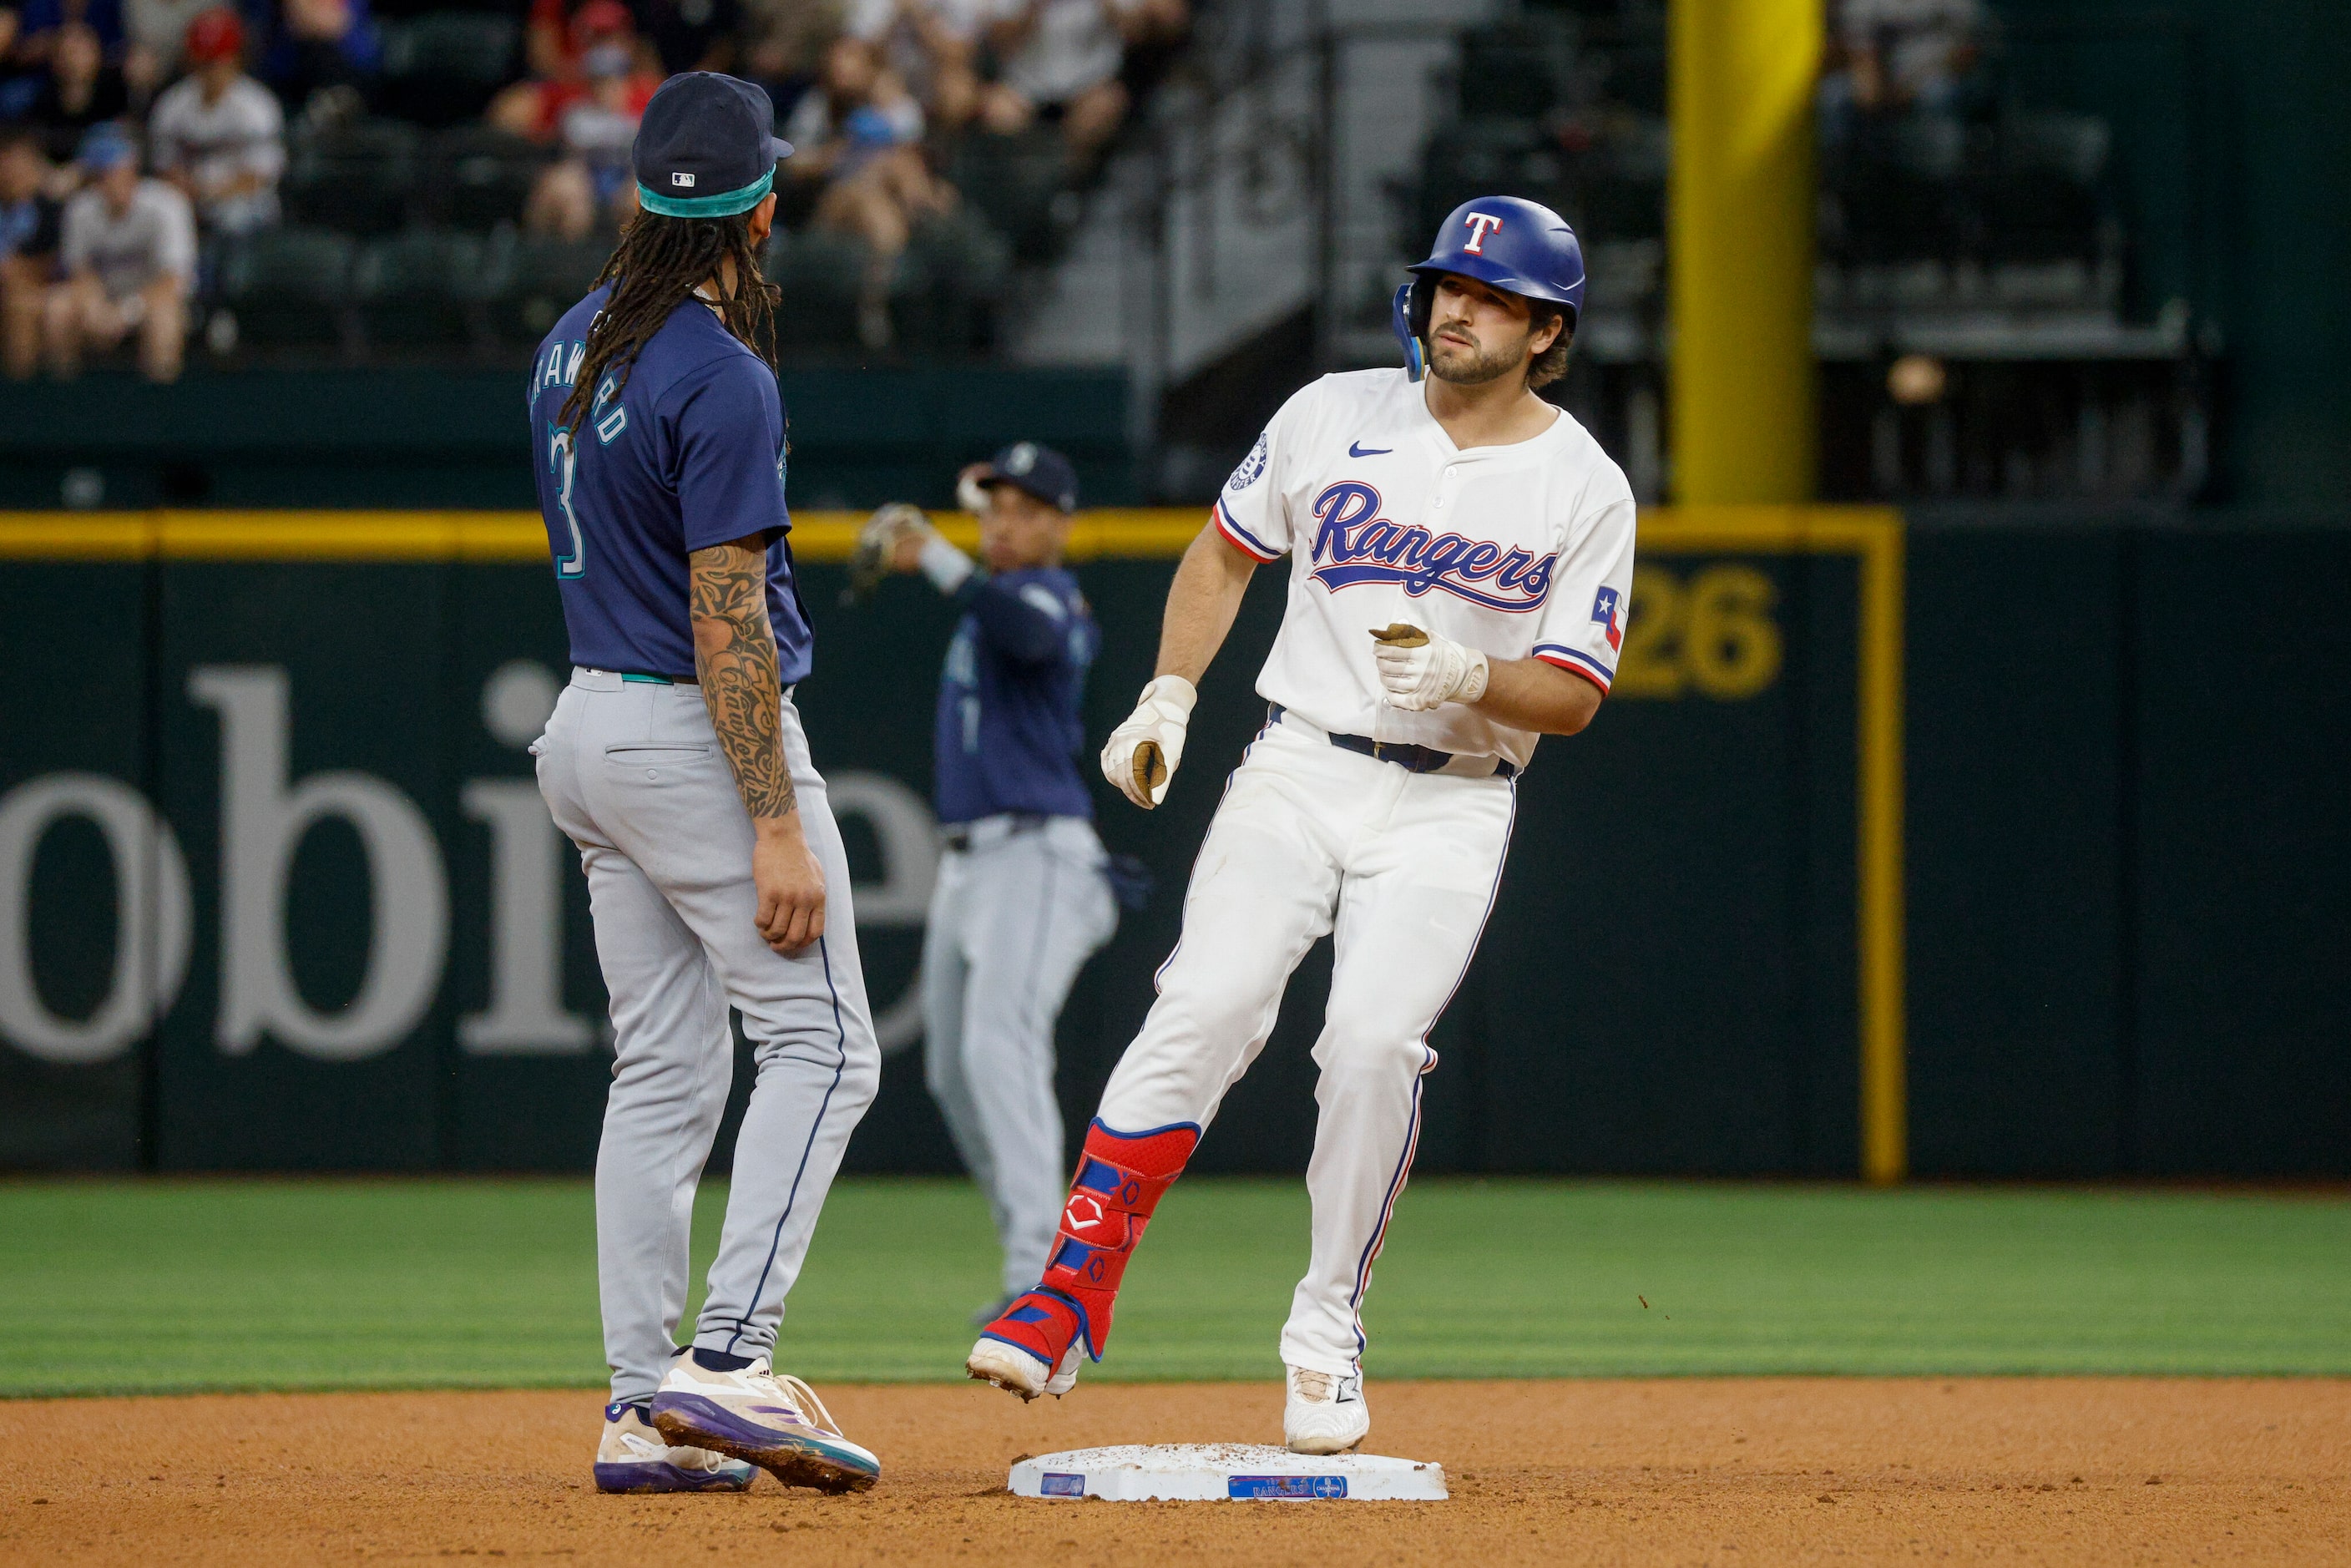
x=1475, y=366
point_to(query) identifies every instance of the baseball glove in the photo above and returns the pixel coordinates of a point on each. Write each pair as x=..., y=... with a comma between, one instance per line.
x=869, y=563
x=1401, y=634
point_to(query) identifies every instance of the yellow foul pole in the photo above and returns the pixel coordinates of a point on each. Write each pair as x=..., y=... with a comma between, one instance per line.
x=1740, y=232
x=1740, y=247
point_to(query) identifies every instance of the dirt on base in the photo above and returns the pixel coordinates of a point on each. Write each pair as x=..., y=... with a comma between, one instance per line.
x=1682, y=1471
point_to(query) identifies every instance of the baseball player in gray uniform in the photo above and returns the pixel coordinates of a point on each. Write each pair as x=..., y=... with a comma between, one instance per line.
x=676, y=761
x=1024, y=895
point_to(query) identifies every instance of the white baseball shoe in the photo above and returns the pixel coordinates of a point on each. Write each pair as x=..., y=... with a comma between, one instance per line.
x=633, y=1456
x=776, y=1423
x=1326, y=1413
x=1009, y=1367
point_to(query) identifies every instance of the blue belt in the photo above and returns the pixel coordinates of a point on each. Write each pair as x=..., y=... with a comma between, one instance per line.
x=1411, y=759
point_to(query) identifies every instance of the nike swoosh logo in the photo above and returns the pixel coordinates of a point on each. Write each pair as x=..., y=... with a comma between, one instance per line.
x=1355, y=450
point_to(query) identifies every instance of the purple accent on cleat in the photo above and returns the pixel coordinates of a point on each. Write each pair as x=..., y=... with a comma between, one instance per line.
x=689, y=1418
x=661, y=1476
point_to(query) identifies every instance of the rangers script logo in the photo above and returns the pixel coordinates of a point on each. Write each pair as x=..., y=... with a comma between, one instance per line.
x=1356, y=545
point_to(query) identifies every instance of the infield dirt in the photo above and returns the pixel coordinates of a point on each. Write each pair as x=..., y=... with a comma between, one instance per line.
x=1682, y=1471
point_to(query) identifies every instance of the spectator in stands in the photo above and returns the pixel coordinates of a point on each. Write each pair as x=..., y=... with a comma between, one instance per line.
x=1156, y=35
x=784, y=43
x=690, y=34
x=596, y=131
x=534, y=108
x=129, y=255
x=218, y=134
x=860, y=133
x=669, y=36
x=41, y=24
x=79, y=92
x=1060, y=64
x=549, y=52
x=157, y=33
x=30, y=225
x=1891, y=57
x=932, y=46
x=312, y=47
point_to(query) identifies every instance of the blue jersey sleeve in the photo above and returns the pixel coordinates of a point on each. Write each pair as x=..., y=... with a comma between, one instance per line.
x=1026, y=622
x=727, y=424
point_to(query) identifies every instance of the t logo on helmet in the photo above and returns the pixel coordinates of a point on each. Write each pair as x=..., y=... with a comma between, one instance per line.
x=1480, y=225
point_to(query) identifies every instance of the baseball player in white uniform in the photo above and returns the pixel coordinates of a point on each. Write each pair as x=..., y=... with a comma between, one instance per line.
x=1461, y=556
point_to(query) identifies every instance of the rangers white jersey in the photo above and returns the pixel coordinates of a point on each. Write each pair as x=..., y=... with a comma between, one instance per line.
x=1521, y=551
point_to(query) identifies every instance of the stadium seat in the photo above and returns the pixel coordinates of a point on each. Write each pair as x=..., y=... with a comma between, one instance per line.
x=1481, y=157
x=953, y=275
x=1636, y=74
x=424, y=287
x=357, y=178
x=1521, y=68
x=2047, y=196
x=540, y=280
x=819, y=274
x=1903, y=192
x=289, y=289
x=482, y=176
x=1014, y=181
x=443, y=68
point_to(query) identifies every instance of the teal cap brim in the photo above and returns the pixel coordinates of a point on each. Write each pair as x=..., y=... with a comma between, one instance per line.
x=725, y=204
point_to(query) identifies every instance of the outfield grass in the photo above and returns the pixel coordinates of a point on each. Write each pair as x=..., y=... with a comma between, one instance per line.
x=178, y=1285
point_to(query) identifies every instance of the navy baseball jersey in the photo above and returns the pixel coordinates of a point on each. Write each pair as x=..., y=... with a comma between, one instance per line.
x=689, y=453
x=1008, y=726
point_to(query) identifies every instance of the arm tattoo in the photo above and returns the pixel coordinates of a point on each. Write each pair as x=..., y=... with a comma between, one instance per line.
x=734, y=656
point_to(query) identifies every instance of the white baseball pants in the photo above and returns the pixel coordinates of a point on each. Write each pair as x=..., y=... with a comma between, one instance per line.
x=1400, y=868
x=1014, y=918
x=635, y=775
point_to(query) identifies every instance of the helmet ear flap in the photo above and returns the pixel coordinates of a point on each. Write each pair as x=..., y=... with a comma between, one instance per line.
x=1415, y=364
x=1413, y=303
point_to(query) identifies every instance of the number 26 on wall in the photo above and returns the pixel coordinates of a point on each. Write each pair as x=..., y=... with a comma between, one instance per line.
x=1711, y=635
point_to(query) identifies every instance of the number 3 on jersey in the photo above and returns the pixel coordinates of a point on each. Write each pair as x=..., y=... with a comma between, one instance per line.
x=561, y=462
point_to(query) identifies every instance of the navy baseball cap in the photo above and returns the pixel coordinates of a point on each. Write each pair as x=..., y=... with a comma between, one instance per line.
x=706, y=147
x=1038, y=471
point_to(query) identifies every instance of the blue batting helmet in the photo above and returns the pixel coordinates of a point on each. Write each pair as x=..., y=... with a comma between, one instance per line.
x=1519, y=247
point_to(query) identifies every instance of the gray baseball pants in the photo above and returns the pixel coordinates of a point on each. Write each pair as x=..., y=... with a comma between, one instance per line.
x=1013, y=919
x=633, y=773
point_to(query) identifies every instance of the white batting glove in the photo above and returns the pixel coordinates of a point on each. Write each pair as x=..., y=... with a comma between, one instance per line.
x=1142, y=754
x=1421, y=672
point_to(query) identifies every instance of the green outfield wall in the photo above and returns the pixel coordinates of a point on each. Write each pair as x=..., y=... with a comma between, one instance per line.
x=1969, y=848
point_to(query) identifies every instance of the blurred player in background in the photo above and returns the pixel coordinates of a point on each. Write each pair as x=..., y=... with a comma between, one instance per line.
x=1460, y=554
x=1024, y=893
x=675, y=760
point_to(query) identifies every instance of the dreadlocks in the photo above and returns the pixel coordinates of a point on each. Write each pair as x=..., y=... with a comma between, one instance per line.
x=659, y=262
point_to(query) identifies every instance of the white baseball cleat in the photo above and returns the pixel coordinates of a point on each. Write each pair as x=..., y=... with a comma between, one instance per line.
x=633, y=1456
x=776, y=1423
x=1009, y=1367
x=1326, y=1413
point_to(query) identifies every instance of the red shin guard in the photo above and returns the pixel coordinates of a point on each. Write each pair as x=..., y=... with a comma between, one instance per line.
x=1120, y=1178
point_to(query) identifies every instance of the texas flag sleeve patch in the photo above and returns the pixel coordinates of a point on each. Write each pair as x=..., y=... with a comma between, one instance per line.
x=1605, y=613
